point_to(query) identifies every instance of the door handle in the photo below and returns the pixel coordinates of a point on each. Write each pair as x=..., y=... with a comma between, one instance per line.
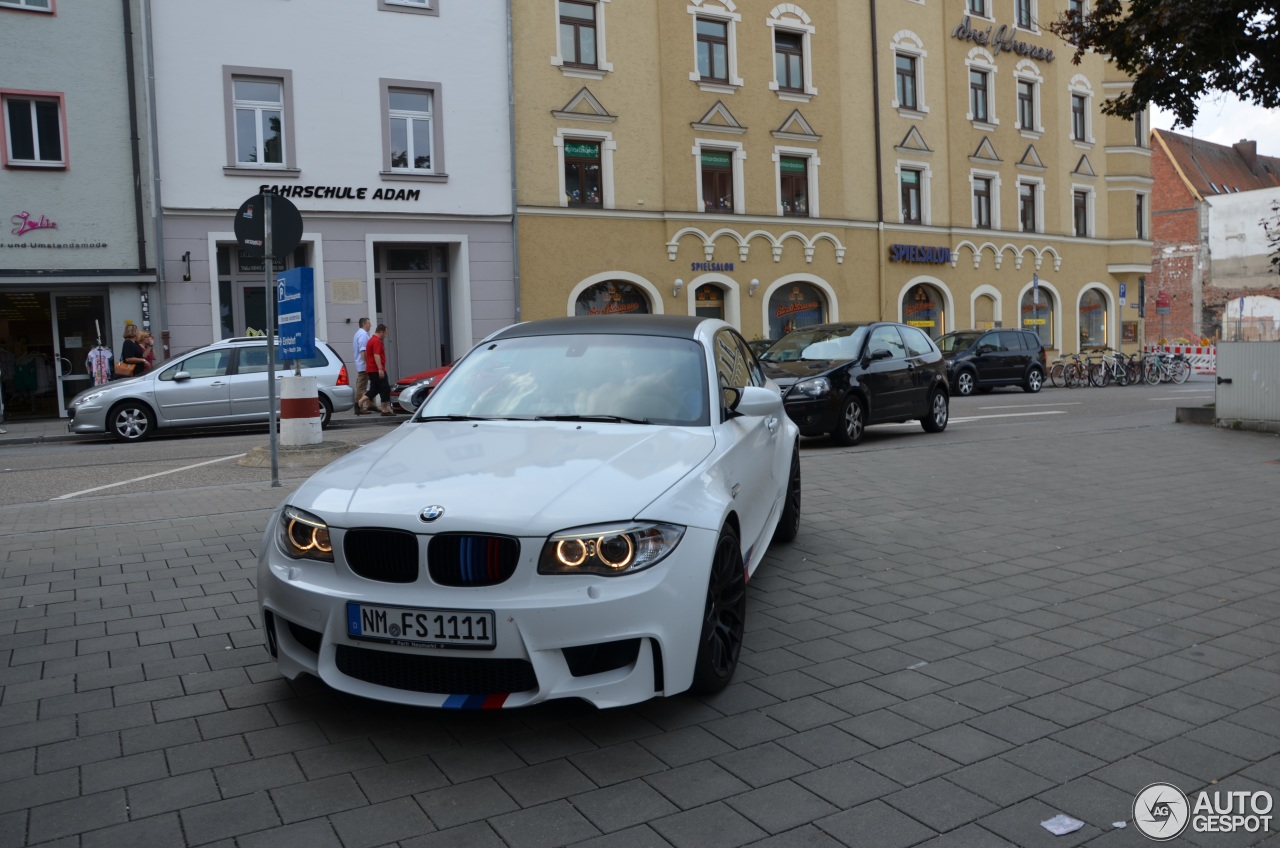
x=217, y=383
x=771, y=423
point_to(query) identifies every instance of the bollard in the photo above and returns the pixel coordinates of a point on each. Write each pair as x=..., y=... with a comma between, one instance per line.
x=299, y=412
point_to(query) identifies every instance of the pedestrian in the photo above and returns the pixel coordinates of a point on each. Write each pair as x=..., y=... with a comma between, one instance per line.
x=375, y=356
x=148, y=349
x=358, y=345
x=132, y=353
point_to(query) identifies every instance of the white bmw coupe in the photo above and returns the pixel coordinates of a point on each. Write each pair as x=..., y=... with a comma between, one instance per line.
x=574, y=513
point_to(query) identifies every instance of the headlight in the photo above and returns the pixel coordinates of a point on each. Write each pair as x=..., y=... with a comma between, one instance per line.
x=609, y=549
x=303, y=536
x=818, y=387
x=89, y=398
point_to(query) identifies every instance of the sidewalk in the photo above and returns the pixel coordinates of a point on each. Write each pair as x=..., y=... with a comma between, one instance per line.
x=24, y=432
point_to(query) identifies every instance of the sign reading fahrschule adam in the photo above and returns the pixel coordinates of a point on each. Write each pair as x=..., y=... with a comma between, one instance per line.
x=341, y=192
x=999, y=40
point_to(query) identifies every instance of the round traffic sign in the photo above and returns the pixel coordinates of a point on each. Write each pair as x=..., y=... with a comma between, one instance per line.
x=286, y=225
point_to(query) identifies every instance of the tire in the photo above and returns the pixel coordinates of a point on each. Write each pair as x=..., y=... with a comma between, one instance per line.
x=789, y=524
x=724, y=617
x=1153, y=373
x=939, y=413
x=852, y=424
x=966, y=382
x=326, y=412
x=130, y=421
x=1181, y=371
x=1057, y=375
x=1034, y=382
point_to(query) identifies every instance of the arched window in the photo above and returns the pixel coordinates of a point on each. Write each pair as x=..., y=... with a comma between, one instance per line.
x=924, y=306
x=1093, y=319
x=610, y=298
x=1037, y=314
x=709, y=301
x=795, y=305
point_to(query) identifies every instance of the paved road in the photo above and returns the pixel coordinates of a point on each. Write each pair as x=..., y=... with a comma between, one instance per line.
x=1029, y=614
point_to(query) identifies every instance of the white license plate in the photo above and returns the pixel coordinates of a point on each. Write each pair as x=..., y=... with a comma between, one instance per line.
x=415, y=626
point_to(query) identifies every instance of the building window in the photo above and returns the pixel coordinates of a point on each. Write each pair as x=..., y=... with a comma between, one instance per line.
x=708, y=301
x=1026, y=105
x=717, y=181
x=29, y=5
x=412, y=138
x=409, y=127
x=713, y=50
x=793, y=306
x=1027, y=206
x=909, y=181
x=1079, y=116
x=906, y=81
x=982, y=202
x=33, y=131
x=1093, y=319
x=978, y=95
x=924, y=307
x=1023, y=14
x=1080, y=213
x=582, y=174
x=578, y=33
x=793, y=175
x=259, y=106
x=259, y=118
x=1141, y=210
x=421, y=7
x=788, y=60
x=1075, y=8
x=612, y=297
x=978, y=7
x=1037, y=313
x=1140, y=129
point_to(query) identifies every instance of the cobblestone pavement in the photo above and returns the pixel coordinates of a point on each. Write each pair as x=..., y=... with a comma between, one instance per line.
x=967, y=638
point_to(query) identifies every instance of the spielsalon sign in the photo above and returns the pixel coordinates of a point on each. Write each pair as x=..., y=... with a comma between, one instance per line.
x=1000, y=39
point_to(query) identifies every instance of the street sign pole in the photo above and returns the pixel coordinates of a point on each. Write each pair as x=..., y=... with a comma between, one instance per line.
x=268, y=271
x=1035, y=301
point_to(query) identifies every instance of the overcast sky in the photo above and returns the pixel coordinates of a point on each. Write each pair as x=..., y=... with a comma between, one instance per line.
x=1224, y=119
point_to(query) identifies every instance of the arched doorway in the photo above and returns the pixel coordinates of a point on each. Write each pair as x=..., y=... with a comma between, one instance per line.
x=1037, y=313
x=924, y=306
x=708, y=301
x=1093, y=320
x=984, y=312
x=610, y=298
x=795, y=305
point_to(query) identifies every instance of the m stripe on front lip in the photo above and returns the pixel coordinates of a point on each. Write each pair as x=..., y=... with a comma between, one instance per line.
x=476, y=702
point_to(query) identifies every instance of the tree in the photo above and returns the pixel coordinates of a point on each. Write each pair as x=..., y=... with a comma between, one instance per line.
x=1176, y=51
x=1271, y=226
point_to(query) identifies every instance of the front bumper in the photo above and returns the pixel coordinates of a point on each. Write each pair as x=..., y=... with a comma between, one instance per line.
x=90, y=418
x=814, y=417
x=657, y=613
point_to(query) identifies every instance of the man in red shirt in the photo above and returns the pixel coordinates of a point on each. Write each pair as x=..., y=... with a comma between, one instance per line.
x=375, y=365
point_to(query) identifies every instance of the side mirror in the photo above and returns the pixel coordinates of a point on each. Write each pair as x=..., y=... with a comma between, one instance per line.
x=881, y=353
x=182, y=375
x=755, y=401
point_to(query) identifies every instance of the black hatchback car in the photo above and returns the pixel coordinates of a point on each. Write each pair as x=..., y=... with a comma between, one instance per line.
x=979, y=360
x=838, y=378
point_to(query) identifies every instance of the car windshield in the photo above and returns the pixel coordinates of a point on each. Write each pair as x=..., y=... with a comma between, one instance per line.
x=952, y=342
x=817, y=343
x=649, y=379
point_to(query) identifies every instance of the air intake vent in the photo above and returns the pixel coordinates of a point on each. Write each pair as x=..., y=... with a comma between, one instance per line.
x=437, y=675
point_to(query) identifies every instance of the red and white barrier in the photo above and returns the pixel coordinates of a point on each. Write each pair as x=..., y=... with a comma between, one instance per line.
x=1203, y=358
x=299, y=412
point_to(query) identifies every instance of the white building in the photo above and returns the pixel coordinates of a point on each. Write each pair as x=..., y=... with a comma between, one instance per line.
x=386, y=122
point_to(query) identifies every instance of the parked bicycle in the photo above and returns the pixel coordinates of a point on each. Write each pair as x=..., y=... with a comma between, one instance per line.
x=1167, y=368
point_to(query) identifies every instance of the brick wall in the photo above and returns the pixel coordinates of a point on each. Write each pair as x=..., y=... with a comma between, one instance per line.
x=1177, y=259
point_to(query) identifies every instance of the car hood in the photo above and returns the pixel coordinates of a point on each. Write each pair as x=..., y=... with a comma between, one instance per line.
x=511, y=477
x=788, y=373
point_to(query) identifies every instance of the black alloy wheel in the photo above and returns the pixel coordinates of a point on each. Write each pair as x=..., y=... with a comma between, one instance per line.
x=724, y=619
x=130, y=421
x=966, y=382
x=935, y=420
x=852, y=423
x=789, y=524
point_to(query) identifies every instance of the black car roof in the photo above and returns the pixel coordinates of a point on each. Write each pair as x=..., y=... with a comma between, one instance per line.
x=678, y=326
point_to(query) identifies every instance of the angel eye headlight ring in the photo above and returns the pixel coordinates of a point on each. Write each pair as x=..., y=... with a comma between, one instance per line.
x=304, y=536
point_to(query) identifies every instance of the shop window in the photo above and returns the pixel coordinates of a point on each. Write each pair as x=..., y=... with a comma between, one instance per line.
x=582, y=183
x=1093, y=320
x=923, y=306
x=708, y=301
x=984, y=312
x=612, y=297
x=33, y=131
x=1037, y=311
x=793, y=306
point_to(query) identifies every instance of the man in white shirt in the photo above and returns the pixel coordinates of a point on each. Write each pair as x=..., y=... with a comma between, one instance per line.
x=358, y=344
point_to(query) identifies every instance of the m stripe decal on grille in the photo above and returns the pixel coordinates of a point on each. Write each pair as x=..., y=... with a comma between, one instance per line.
x=475, y=702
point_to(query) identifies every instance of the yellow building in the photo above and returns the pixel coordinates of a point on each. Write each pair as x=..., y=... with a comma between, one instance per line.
x=782, y=164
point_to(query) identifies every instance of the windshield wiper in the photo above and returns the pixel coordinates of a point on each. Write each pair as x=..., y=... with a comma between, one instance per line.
x=454, y=418
x=617, y=419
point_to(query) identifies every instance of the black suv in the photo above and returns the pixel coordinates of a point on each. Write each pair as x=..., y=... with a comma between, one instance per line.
x=838, y=378
x=979, y=360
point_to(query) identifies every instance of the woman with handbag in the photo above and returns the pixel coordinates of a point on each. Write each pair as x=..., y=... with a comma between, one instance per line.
x=133, y=359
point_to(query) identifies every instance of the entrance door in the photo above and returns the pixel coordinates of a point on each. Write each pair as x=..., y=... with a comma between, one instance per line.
x=415, y=342
x=79, y=320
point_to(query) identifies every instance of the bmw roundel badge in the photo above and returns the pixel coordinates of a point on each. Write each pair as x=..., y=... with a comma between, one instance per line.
x=431, y=513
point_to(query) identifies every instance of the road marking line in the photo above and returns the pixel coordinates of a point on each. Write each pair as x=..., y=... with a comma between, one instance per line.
x=1178, y=397
x=1009, y=415
x=1022, y=405
x=145, y=477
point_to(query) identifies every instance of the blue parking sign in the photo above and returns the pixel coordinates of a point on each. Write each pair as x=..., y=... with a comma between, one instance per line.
x=296, y=313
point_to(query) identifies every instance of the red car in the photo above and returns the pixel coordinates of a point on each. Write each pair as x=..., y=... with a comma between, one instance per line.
x=435, y=375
